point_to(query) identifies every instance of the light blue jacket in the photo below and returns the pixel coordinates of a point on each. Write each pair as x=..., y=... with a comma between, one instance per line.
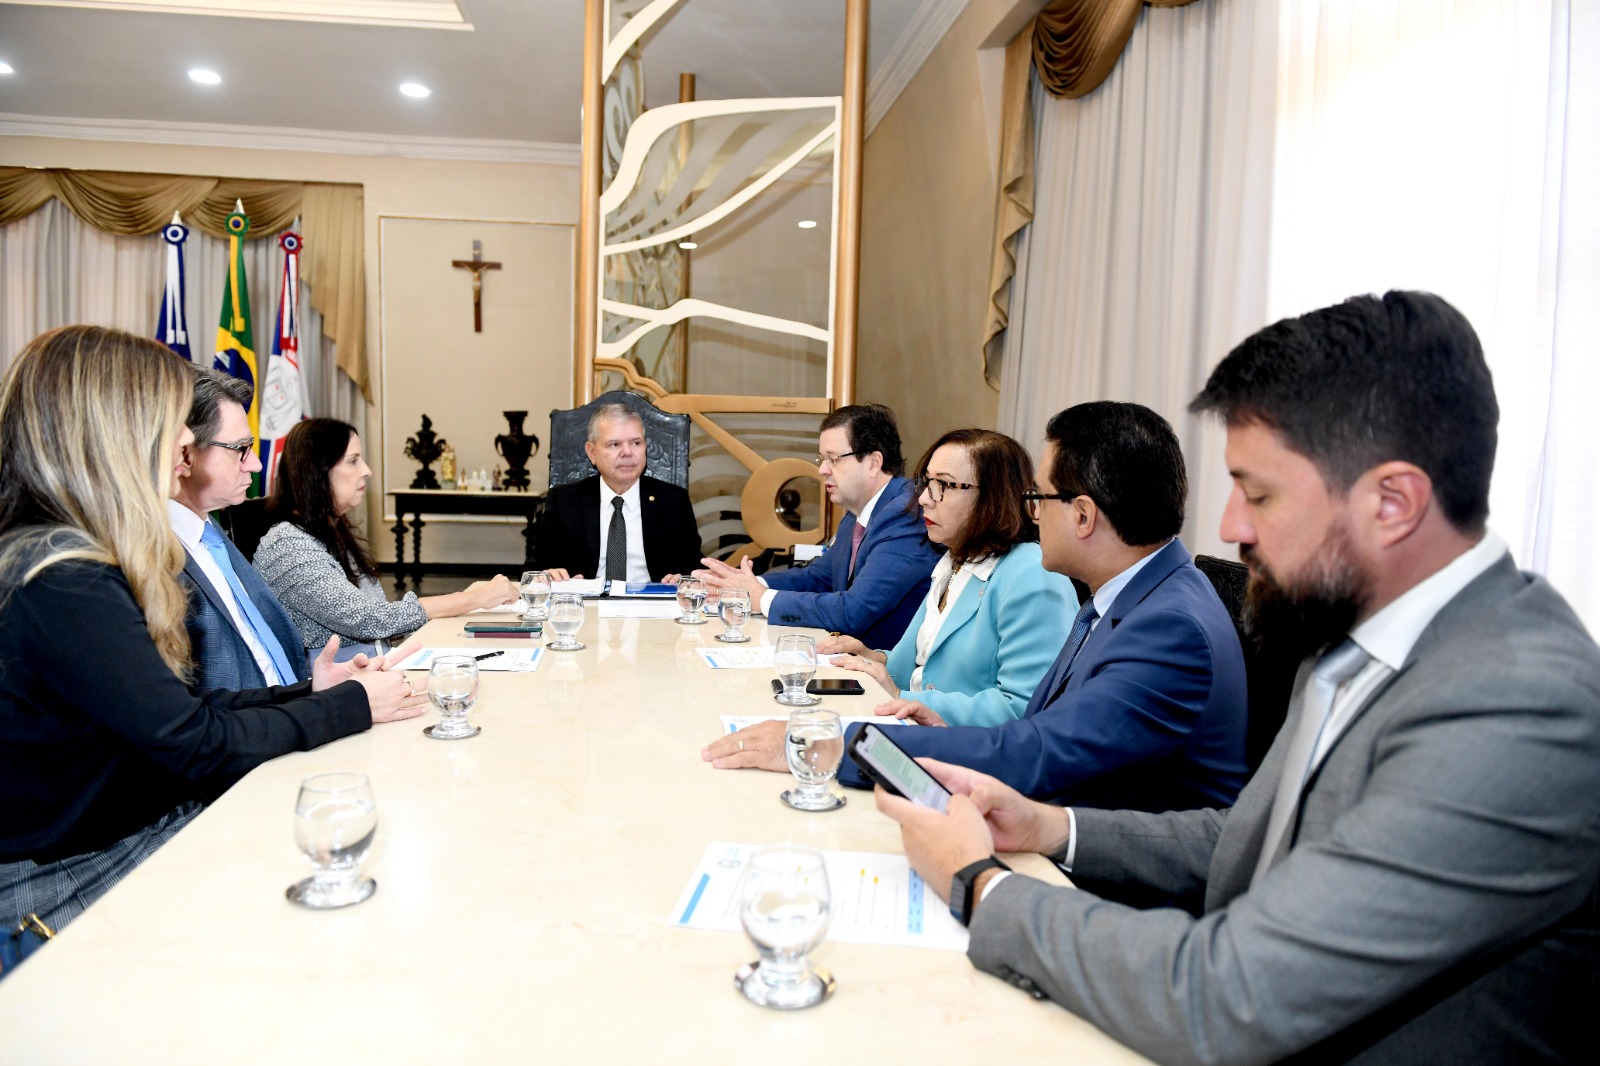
x=995, y=645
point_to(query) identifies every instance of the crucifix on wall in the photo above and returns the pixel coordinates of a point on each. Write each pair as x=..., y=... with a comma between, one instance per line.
x=477, y=265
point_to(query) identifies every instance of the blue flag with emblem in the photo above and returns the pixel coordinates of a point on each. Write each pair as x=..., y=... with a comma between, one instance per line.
x=173, y=329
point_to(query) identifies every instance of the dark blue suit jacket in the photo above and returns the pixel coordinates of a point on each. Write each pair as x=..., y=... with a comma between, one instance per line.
x=1150, y=717
x=222, y=658
x=893, y=568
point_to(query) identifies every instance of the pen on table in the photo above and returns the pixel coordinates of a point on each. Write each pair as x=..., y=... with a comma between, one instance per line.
x=488, y=655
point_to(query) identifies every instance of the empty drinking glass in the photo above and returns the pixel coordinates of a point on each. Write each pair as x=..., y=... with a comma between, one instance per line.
x=735, y=611
x=813, y=745
x=691, y=601
x=335, y=819
x=783, y=906
x=535, y=589
x=453, y=689
x=566, y=618
x=795, y=659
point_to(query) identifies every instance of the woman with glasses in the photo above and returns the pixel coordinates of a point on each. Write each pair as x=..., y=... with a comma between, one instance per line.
x=319, y=567
x=994, y=618
x=105, y=751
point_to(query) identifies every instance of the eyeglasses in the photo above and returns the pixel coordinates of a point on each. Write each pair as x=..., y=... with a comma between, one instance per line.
x=241, y=449
x=936, y=487
x=832, y=459
x=1032, y=500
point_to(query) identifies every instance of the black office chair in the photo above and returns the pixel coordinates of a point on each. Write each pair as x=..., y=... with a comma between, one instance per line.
x=666, y=440
x=1268, y=680
x=245, y=524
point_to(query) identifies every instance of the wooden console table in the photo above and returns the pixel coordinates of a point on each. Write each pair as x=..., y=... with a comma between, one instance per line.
x=417, y=502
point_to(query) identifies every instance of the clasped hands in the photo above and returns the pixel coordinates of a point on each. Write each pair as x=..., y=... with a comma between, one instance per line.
x=391, y=696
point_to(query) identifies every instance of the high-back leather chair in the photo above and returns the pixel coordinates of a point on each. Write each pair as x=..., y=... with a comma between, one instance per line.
x=666, y=440
x=1267, y=679
x=245, y=524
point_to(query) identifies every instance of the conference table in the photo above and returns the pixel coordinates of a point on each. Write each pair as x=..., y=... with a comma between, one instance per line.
x=527, y=880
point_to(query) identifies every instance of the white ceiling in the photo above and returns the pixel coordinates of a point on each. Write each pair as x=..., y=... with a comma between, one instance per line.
x=514, y=77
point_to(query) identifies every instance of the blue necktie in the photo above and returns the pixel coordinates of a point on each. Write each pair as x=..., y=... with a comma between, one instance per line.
x=211, y=537
x=1075, y=638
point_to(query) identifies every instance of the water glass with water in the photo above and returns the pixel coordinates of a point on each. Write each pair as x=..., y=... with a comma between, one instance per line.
x=535, y=590
x=784, y=904
x=735, y=610
x=691, y=601
x=453, y=689
x=566, y=618
x=795, y=659
x=335, y=821
x=814, y=746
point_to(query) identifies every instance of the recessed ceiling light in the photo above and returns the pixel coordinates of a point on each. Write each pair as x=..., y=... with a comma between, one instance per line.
x=806, y=224
x=688, y=246
x=5, y=68
x=205, y=77
x=415, y=90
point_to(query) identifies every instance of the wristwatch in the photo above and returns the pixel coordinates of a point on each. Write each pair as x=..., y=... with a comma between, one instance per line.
x=962, y=897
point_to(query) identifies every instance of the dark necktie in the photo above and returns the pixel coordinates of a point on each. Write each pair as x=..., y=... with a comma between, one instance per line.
x=1069, y=651
x=617, y=544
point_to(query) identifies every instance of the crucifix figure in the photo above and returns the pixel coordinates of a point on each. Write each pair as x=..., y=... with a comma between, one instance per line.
x=477, y=265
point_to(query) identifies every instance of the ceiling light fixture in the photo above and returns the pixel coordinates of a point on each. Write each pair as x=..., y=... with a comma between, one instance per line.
x=205, y=77
x=806, y=224
x=5, y=68
x=415, y=90
x=688, y=246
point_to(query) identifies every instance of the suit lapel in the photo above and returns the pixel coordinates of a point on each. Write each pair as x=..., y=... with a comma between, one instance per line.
x=589, y=505
x=841, y=564
x=961, y=612
x=192, y=571
x=1157, y=570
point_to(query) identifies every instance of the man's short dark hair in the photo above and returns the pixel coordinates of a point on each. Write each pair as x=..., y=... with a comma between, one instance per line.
x=870, y=427
x=1369, y=381
x=211, y=389
x=1125, y=458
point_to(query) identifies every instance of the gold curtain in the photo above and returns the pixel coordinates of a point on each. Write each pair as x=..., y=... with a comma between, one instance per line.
x=1073, y=45
x=136, y=204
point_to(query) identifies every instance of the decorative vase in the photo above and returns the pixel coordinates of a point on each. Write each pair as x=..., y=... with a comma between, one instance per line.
x=516, y=447
x=425, y=447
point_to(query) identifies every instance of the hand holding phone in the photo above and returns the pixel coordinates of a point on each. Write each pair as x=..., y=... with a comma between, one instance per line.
x=886, y=762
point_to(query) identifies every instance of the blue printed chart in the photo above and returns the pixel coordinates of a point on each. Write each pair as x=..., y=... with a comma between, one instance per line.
x=876, y=899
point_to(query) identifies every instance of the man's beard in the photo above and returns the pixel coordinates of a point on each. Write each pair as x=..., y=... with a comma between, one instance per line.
x=1290, y=620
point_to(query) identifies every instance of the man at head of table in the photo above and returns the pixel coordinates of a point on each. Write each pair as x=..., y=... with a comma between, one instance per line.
x=619, y=523
x=871, y=579
x=1411, y=877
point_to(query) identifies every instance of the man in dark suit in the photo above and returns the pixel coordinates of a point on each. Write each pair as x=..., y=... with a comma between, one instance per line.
x=617, y=524
x=1414, y=874
x=241, y=635
x=872, y=578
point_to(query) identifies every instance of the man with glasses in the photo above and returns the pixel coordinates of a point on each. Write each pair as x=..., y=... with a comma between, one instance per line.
x=242, y=637
x=1144, y=708
x=871, y=579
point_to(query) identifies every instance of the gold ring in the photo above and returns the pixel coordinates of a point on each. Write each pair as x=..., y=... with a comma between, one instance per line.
x=741, y=745
x=410, y=691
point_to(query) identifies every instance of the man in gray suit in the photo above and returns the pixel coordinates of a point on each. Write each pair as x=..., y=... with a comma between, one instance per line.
x=1413, y=876
x=242, y=637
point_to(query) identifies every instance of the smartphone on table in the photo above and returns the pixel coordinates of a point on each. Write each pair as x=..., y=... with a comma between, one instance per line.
x=828, y=686
x=886, y=762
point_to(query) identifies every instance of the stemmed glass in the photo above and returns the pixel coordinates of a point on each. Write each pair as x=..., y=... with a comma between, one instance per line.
x=535, y=590
x=814, y=746
x=453, y=689
x=335, y=819
x=796, y=661
x=735, y=611
x=691, y=601
x=783, y=906
x=566, y=618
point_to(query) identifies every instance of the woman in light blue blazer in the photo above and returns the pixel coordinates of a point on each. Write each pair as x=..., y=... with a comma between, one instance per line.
x=994, y=619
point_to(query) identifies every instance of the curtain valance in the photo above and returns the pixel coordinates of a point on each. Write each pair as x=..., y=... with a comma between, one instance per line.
x=1076, y=43
x=136, y=204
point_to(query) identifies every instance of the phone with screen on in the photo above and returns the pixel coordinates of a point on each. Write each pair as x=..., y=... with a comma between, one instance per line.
x=886, y=762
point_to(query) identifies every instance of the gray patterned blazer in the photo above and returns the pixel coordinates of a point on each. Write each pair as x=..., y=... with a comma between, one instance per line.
x=312, y=587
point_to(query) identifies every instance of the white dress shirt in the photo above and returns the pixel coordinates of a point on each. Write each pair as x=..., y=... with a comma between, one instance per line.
x=189, y=527
x=633, y=521
x=864, y=517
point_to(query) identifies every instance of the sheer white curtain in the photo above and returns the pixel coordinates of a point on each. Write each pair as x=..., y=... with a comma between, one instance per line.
x=56, y=270
x=1146, y=258
x=1250, y=159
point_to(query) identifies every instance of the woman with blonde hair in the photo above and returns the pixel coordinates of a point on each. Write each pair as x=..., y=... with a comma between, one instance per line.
x=105, y=752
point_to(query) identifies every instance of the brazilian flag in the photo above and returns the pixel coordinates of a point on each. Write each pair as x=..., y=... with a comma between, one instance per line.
x=235, y=354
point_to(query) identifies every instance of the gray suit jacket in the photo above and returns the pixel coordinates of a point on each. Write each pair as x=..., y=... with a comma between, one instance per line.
x=222, y=658
x=1437, y=902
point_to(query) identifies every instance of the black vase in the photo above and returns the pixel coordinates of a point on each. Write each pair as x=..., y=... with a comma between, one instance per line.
x=515, y=448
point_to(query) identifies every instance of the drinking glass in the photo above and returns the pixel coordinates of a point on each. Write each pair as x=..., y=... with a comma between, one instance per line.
x=813, y=745
x=535, y=590
x=335, y=819
x=735, y=611
x=453, y=689
x=566, y=618
x=691, y=601
x=783, y=906
x=796, y=661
